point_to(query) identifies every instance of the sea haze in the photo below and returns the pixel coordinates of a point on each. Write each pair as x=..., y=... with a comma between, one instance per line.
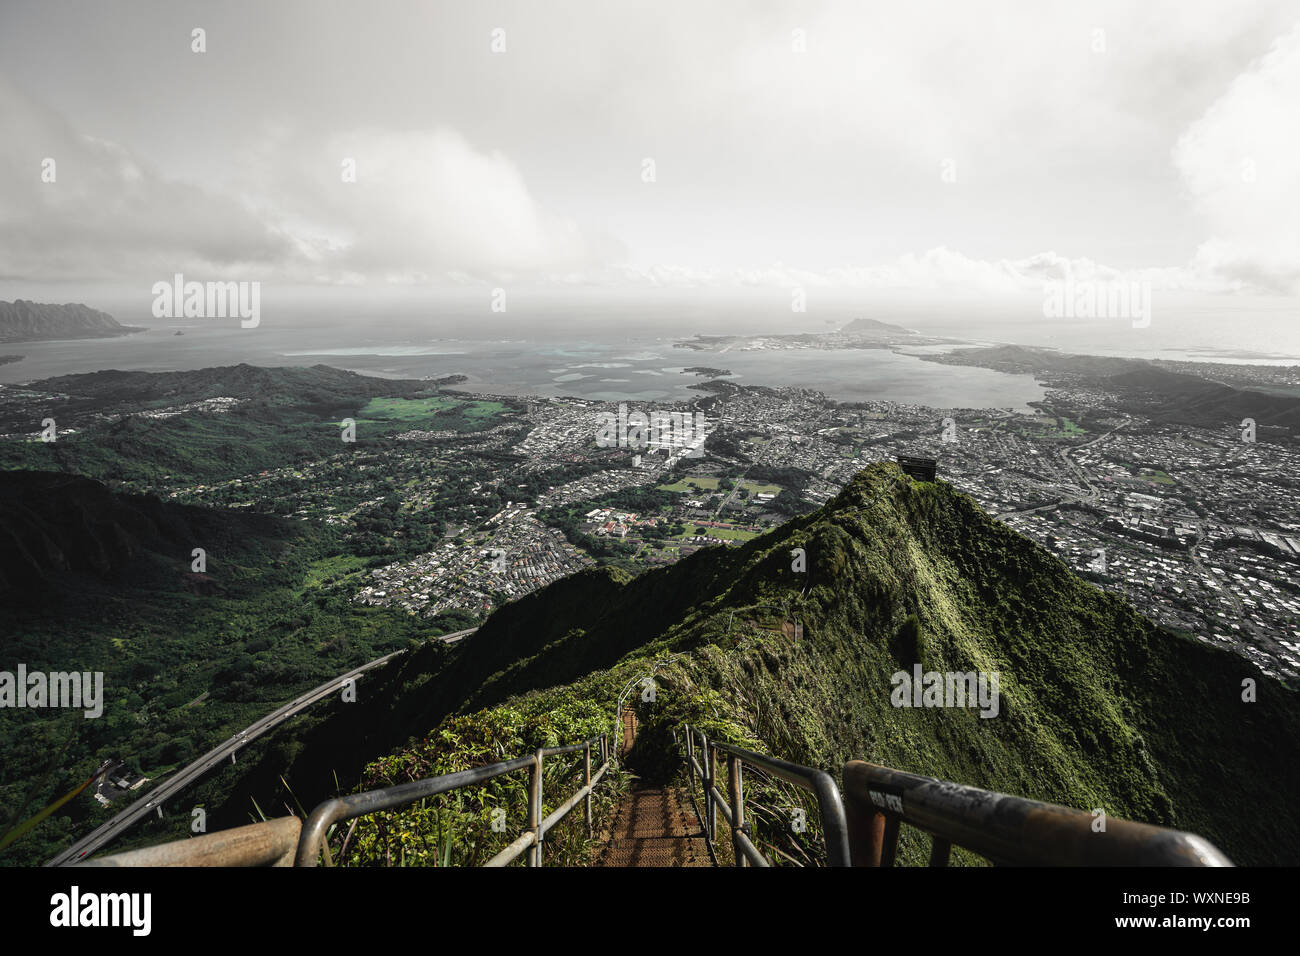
x=621, y=346
x=630, y=360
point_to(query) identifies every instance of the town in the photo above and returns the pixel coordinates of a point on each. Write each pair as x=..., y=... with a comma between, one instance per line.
x=1197, y=526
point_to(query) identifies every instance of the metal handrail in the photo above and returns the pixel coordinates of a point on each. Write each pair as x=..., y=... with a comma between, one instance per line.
x=312, y=845
x=270, y=843
x=1003, y=829
x=817, y=782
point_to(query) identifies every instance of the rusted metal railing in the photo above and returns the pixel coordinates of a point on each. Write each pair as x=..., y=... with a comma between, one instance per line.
x=272, y=843
x=732, y=806
x=1003, y=829
x=312, y=844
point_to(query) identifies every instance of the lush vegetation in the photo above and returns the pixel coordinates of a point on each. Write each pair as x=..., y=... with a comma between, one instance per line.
x=468, y=827
x=94, y=579
x=1099, y=707
x=436, y=413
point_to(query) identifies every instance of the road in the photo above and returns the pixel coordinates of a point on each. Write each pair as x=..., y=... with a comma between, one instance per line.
x=147, y=803
x=759, y=459
x=1090, y=492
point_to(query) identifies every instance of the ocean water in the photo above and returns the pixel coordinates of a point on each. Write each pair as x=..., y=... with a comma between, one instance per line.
x=620, y=347
x=611, y=367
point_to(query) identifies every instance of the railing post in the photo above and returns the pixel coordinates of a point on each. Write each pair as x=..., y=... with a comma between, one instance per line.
x=690, y=752
x=737, y=807
x=704, y=779
x=586, y=776
x=616, y=744
x=712, y=814
x=939, y=851
x=535, y=810
x=889, y=848
x=866, y=832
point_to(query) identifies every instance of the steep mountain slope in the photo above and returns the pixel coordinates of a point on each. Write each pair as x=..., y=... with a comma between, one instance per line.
x=23, y=321
x=112, y=424
x=1099, y=708
x=67, y=533
x=319, y=386
x=1178, y=397
x=99, y=581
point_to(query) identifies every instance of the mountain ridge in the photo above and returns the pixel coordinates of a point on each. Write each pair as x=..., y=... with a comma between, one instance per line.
x=1100, y=708
x=25, y=321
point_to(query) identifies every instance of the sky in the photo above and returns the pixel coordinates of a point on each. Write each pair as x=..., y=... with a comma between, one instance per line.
x=971, y=147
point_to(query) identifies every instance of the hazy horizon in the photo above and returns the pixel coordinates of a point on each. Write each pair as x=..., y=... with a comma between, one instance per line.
x=1205, y=327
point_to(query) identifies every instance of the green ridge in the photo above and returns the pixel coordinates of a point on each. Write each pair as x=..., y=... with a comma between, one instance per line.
x=1100, y=708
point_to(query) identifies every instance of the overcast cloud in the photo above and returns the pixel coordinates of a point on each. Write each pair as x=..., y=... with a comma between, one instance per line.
x=975, y=146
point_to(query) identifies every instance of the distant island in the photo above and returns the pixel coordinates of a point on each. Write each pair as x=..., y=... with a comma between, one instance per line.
x=706, y=371
x=875, y=327
x=858, y=334
x=449, y=380
x=24, y=321
x=6, y=359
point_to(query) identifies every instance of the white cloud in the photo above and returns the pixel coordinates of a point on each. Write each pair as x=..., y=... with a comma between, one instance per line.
x=426, y=205
x=482, y=169
x=1239, y=165
x=107, y=213
x=939, y=270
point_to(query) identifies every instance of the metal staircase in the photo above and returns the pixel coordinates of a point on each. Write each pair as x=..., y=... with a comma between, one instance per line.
x=652, y=827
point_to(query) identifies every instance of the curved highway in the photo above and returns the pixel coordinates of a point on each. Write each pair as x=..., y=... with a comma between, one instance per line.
x=156, y=797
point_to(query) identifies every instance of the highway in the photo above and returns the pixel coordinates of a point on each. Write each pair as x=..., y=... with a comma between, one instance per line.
x=173, y=785
x=1090, y=492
